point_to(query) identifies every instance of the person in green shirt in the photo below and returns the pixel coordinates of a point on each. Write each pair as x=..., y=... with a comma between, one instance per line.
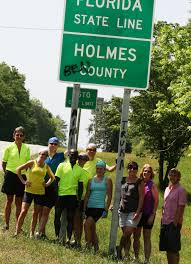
x=14, y=155
x=70, y=188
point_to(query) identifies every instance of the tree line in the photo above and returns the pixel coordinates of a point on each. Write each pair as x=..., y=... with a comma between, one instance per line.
x=18, y=109
x=160, y=117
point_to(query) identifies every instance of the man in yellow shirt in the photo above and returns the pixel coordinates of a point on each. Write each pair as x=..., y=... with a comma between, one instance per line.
x=70, y=177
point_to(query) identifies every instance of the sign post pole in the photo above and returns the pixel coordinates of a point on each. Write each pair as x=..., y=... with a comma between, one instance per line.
x=119, y=170
x=78, y=127
x=73, y=117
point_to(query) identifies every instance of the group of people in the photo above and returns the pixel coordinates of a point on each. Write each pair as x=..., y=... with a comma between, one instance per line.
x=76, y=186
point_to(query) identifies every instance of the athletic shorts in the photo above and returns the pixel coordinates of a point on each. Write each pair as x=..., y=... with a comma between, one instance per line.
x=12, y=185
x=50, y=197
x=95, y=213
x=67, y=201
x=126, y=219
x=29, y=197
x=143, y=222
x=170, y=238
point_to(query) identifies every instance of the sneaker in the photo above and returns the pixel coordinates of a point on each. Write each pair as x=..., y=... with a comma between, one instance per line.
x=5, y=228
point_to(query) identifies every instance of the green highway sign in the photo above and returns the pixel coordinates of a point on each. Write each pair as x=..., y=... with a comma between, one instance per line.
x=107, y=42
x=87, y=98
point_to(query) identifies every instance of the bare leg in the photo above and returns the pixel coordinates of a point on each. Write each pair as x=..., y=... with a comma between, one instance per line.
x=24, y=210
x=147, y=243
x=127, y=232
x=34, y=221
x=44, y=219
x=173, y=257
x=88, y=231
x=18, y=204
x=78, y=226
x=136, y=241
x=7, y=210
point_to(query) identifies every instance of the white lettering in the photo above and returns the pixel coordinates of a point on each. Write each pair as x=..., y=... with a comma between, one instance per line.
x=131, y=52
x=137, y=5
x=79, y=50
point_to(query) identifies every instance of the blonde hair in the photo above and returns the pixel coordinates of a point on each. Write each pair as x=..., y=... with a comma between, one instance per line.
x=151, y=169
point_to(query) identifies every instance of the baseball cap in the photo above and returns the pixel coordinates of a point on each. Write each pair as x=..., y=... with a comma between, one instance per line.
x=53, y=140
x=101, y=164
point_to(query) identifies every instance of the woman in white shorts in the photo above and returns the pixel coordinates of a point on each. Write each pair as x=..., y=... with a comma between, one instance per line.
x=131, y=203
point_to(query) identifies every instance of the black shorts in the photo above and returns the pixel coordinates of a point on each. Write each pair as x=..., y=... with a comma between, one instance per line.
x=170, y=238
x=67, y=201
x=143, y=222
x=29, y=197
x=50, y=197
x=12, y=185
x=95, y=213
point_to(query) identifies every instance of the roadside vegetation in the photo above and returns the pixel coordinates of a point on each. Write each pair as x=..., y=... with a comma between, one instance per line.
x=23, y=250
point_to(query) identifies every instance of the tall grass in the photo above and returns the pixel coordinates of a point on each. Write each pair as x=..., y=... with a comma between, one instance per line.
x=22, y=250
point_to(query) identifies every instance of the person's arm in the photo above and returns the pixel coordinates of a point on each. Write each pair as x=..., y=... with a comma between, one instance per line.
x=141, y=199
x=87, y=195
x=180, y=209
x=110, y=168
x=51, y=176
x=155, y=194
x=109, y=193
x=24, y=166
x=4, y=164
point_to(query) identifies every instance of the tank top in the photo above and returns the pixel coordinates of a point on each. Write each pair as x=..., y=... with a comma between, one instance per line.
x=129, y=197
x=97, y=193
x=36, y=176
x=148, y=204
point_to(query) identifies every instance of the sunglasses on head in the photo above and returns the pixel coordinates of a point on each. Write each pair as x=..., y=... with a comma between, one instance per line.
x=19, y=135
x=54, y=144
x=131, y=167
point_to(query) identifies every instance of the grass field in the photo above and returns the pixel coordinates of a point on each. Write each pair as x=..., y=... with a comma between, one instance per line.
x=23, y=250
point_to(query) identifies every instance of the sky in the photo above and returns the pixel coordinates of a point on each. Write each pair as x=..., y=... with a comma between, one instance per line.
x=30, y=40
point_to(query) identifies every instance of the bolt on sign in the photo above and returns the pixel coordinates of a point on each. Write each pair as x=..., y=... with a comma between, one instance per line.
x=107, y=42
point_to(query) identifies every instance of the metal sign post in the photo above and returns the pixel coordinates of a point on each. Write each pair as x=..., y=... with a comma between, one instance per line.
x=73, y=117
x=119, y=170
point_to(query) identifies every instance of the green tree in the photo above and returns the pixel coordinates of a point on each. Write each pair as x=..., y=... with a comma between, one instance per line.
x=155, y=116
x=104, y=129
x=14, y=101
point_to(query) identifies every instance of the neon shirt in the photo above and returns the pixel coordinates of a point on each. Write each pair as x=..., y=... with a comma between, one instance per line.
x=36, y=176
x=97, y=193
x=174, y=196
x=12, y=157
x=90, y=166
x=69, y=178
x=86, y=177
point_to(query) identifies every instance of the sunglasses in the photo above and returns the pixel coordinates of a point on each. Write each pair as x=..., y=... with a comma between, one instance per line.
x=42, y=154
x=19, y=135
x=132, y=167
x=91, y=149
x=148, y=171
x=53, y=144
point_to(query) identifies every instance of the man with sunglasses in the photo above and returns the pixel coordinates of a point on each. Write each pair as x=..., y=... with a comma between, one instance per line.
x=51, y=192
x=90, y=165
x=14, y=155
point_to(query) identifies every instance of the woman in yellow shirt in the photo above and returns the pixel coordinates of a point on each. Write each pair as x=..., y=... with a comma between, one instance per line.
x=34, y=189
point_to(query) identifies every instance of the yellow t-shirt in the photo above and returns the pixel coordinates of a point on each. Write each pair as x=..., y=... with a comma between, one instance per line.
x=90, y=167
x=36, y=176
x=13, y=158
x=86, y=177
x=69, y=178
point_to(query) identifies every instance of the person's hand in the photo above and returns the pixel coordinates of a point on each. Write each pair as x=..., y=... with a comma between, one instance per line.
x=136, y=215
x=104, y=214
x=28, y=184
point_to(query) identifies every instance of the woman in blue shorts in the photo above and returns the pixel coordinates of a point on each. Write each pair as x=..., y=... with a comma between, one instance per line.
x=95, y=206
